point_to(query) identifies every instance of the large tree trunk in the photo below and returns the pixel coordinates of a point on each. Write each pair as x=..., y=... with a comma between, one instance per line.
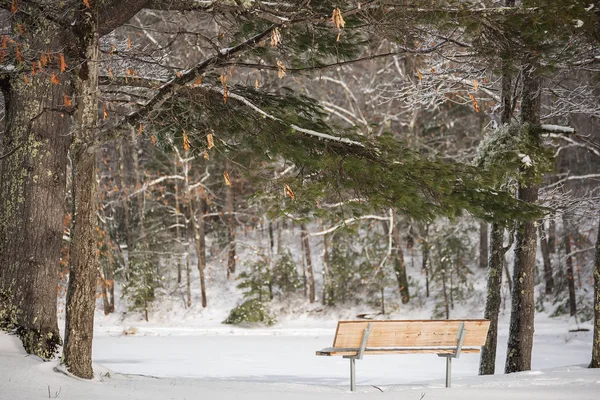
x=32, y=195
x=520, y=340
x=487, y=363
x=596, y=338
x=81, y=294
x=569, y=264
x=309, y=267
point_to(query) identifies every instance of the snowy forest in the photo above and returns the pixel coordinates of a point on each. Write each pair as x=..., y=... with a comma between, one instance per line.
x=252, y=163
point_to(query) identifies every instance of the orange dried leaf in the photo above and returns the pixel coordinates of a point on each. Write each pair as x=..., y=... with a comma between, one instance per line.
x=128, y=43
x=474, y=100
x=420, y=75
x=67, y=100
x=281, y=69
x=227, y=179
x=20, y=28
x=87, y=3
x=4, y=41
x=256, y=83
x=140, y=129
x=153, y=139
x=206, y=156
x=62, y=63
x=14, y=7
x=44, y=60
x=25, y=79
x=18, y=53
x=225, y=94
x=179, y=74
x=105, y=111
x=197, y=82
x=289, y=191
x=54, y=79
x=210, y=140
x=33, y=68
x=475, y=85
x=186, y=142
x=337, y=18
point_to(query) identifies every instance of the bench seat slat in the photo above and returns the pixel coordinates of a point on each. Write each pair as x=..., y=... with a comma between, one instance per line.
x=405, y=350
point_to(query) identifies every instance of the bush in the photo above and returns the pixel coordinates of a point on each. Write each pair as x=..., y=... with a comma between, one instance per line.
x=251, y=311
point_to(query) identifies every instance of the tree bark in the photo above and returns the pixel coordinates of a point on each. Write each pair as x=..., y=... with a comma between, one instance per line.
x=569, y=264
x=400, y=265
x=487, y=362
x=483, y=245
x=200, y=240
x=595, y=363
x=230, y=209
x=125, y=205
x=309, y=267
x=548, y=276
x=32, y=195
x=520, y=341
x=81, y=293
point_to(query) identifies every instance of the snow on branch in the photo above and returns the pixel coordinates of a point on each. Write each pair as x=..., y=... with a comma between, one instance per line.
x=348, y=221
x=557, y=129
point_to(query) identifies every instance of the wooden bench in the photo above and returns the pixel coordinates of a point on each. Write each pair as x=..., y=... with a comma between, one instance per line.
x=446, y=338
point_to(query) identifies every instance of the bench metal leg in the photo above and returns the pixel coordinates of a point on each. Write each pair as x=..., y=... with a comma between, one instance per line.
x=448, y=371
x=352, y=374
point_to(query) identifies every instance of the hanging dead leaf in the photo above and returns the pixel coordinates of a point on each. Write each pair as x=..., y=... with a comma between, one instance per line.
x=275, y=37
x=62, y=63
x=44, y=59
x=140, y=129
x=21, y=29
x=14, y=6
x=33, y=68
x=186, y=142
x=197, y=82
x=210, y=140
x=475, y=85
x=281, y=69
x=153, y=139
x=105, y=111
x=206, y=156
x=474, y=100
x=179, y=74
x=420, y=75
x=226, y=177
x=110, y=73
x=256, y=83
x=128, y=43
x=18, y=53
x=54, y=79
x=225, y=94
x=67, y=100
x=25, y=79
x=337, y=18
x=87, y=3
x=289, y=191
x=4, y=41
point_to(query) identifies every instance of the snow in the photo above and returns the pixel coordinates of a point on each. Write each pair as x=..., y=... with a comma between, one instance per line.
x=214, y=361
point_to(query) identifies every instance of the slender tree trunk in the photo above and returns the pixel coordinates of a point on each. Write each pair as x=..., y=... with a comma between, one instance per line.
x=32, y=196
x=520, y=341
x=445, y=293
x=483, y=245
x=177, y=231
x=309, y=268
x=552, y=235
x=487, y=363
x=595, y=363
x=326, y=278
x=125, y=205
x=304, y=275
x=548, y=277
x=425, y=254
x=81, y=293
x=569, y=264
x=400, y=265
x=200, y=240
x=230, y=209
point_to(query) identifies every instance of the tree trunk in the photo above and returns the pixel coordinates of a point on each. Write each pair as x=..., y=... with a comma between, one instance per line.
x=425, y=254
x=81, y=293
x=178, y=231
x=487, y=363
x=230, y=209
x=326, y=278
x=548, y=278
x=200, y=240
x=32, y=197
x=483, y=245
x=304, y=276
x=309, y=268
x=595, y=363
x=125, y=205
x=400, y=265
x=569, y=264
x=520, y=341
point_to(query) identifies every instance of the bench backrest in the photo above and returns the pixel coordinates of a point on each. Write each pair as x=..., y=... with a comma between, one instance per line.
x=410, y=333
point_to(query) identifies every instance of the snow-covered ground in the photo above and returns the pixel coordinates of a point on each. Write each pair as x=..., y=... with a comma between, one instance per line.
x=221, y=362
